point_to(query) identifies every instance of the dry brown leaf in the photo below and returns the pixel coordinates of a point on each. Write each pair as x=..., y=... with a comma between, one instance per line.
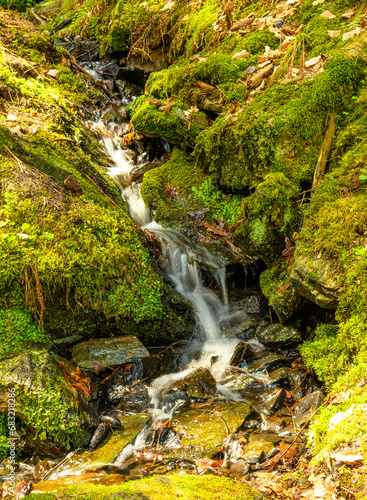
x=347, y=458
x=338, y=398
x=351, y=34
x=333, y=33
x=348, y=14
x=313, y=61
x=328, y=14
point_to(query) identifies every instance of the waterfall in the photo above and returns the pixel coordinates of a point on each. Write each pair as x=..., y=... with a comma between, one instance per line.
x=181, y=268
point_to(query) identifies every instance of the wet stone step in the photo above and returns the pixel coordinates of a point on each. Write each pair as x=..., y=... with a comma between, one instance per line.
x=98, y=354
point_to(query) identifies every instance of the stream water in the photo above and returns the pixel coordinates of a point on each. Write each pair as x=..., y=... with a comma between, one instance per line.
x=248, y=378
x=181, y=268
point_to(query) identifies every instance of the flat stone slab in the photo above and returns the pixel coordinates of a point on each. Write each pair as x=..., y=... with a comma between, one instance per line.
x=277, y=335
x=98, y=354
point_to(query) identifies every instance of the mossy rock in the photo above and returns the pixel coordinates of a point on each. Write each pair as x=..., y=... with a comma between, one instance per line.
x=47, y=403
x=82, y=461
x=315, y=278
x=277, y=335
x=203, y=431
x=283, y=298
x=167, y=487
x=270, y=216
x=171, y=124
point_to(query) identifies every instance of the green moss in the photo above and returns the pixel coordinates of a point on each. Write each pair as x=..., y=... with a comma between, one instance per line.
x=256, y=42
x=49, y=406
x=270, y=214
x=168, y=487
x=18, y=332
x=171, y=124
x=167, y=189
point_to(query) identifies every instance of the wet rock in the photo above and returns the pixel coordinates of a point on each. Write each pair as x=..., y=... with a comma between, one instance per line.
x=200, y=384
x=134, y=399
x=47, y=401
x=278, y=378
x=269, y=403
x=250, y=304
x=99, y=434
x=277, y=335
x=272, y=424
x=238, y=447
x=72, y=183
x=236, y=381
x=111, y=420
x=315, y=279
x=269, y=363
x=137, y=173
x=245, y=330
x=202, y=431
x=306, y=406
x=242, y=352
x=238, y=469
x=173, y=397
x=116, y=114
x=98, y=354
x=258, y=451
x=82, y=461
x=264, y=437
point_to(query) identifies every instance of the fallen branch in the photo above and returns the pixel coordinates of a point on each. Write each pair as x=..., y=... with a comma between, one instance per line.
x=100, y=190
x=298, y=434
x=97, y=82
x=324, y=154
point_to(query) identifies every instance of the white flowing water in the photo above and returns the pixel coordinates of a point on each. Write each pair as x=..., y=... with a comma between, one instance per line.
x=181, y=268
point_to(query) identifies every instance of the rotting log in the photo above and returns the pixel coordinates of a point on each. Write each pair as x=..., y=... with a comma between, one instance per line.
x=324, y=153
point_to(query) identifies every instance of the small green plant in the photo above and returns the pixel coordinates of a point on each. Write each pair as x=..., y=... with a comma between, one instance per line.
x=363, y=176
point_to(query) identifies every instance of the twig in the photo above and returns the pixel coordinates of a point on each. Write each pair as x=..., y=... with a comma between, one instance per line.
x=298, y=434
x=97, y=82
x=350, y=492
x=37, y=18
x=99, y=189
x=56, y=466
x=20, y=163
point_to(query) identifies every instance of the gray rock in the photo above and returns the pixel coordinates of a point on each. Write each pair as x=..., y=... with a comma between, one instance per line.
x=269, y=363
x=250, y=304
x=98, y=354
x=277, y=335
x=244, y=331
x=268, y=403
x=134, y=399
x=315, y=279
x=242, y=352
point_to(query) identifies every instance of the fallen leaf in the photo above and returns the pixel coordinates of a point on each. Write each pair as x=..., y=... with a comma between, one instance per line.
x=348, y=14
x=338, y=398
x=339, y=416
x=317, y=2
x=333, y=33
x=241, y=55
x=312, y=62
x=347, y=458
x=328, y=14
x=351, y=34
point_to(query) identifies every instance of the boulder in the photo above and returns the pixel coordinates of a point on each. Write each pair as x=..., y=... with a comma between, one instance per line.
x=82, y=461
x=277, y=335
x=52, y=399
x=281, y=294
x=134, y=399
x=315, y=279
x=244, y=330
x=98, y=354
x=202, y=431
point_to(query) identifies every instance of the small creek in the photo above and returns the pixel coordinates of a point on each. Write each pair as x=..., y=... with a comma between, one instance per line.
x=228, y=398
